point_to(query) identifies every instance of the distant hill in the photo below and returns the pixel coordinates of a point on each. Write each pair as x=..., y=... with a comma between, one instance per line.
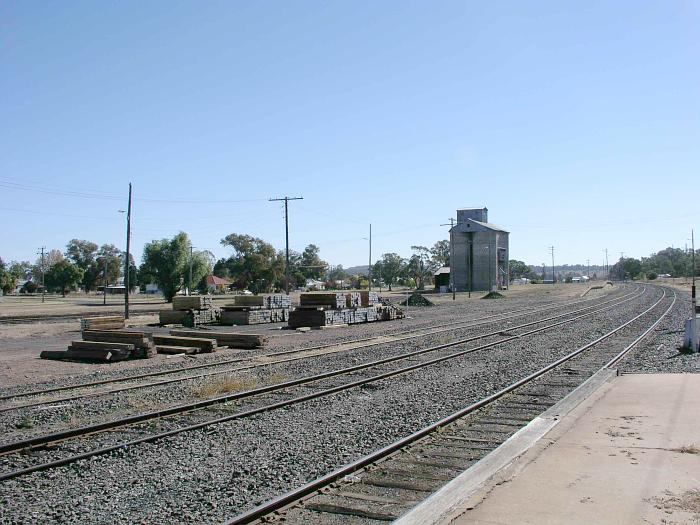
x=357, y=270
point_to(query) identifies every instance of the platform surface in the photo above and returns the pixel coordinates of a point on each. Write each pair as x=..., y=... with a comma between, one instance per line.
x=629, y=455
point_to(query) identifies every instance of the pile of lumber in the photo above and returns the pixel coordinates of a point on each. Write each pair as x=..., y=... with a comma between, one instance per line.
x=106, y=346
x=229, y=339
x=325, y=300
x=323, y=309
x=256, y=309
x=190, y=311
x=173, y=344
x=106, y=322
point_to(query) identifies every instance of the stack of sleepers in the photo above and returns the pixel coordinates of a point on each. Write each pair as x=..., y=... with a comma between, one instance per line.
x=256, y=309
x=107, y=322
x=106, y=346
x=322, y=309
x=170, y=344
x=229, y=339
x=190, y=311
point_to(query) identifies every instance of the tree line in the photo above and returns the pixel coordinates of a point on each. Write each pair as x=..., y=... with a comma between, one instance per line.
x=675, y=262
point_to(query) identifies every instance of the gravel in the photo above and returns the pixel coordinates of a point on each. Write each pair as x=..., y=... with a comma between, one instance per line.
x=206, y=475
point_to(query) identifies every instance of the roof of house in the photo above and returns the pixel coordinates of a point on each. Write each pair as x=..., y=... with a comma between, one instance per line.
x=443, y=270
x=213, y=280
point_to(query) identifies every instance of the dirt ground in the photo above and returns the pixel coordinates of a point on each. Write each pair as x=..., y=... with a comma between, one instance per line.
x=20, y=344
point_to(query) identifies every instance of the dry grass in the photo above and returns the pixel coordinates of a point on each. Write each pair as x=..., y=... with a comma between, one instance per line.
x=277, y=377
x=688, y=449
x=224, y=385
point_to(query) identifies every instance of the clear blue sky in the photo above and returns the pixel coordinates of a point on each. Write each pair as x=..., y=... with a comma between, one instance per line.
x=576, y=123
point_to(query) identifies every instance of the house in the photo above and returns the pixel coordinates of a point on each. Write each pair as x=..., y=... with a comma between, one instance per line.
x=315, y=284
x=442, y=279
x=217, y=284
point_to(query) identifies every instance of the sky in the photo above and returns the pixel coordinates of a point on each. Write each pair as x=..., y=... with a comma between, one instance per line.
x=576, y=123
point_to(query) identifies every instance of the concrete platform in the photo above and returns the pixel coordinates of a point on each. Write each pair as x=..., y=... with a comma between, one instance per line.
x=628, y=454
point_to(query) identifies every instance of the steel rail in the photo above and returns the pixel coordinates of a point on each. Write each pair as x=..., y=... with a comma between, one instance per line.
x=289, y=498
x=615, y=360
x=187, y=407
x=124, y=445
x=428, y=331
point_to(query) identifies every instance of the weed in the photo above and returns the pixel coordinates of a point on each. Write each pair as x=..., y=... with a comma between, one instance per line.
x=224, y=385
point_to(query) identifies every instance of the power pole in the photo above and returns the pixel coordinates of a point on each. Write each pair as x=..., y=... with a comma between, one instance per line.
x=551, y=250
x=607, y=269
x=622, y=265
x=286, y=236
x=452, y=279
x=104, y=281
x=588, y=262
x=43, y=273
x=126, y=259
x=189, y=282
x=369, y=269
x=693, y=303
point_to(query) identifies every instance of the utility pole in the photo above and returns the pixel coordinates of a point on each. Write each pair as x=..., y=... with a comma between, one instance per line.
x=607, y=269
x=189, y=282
x=693, y=303
x=286, y=236
x=452, y=277
x=551, y=250
x=126, y=259
x=588, y=262
x=622, y=265
x=43, y=273
x=369, y=269
x=490, y=270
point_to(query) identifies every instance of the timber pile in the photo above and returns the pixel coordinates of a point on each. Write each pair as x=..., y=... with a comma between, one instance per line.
x=256, y=309
x=202, y=344
x=105, y=346
x=107, y=322
x=143, y=342
x=324, y=300
x=359, y=307
x=190, y=311
x=230, y=339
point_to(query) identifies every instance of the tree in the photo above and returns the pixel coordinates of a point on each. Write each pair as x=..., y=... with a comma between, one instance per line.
x=82, y=254
x=254, y=261
x=440, y=254
x=7, y=280
x=518, y=269
x=390, y=268
x=51, y=257
x=420, y=267
x=167, y=263
x=64, y=276
x=311, y=264
x=110, y=261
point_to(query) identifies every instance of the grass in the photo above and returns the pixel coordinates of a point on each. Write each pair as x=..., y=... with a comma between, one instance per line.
x=25, y=423
x=225, y=385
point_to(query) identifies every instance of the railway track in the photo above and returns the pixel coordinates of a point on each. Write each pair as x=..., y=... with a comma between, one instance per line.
x=271, y=359
x=62, y=448
x=385, y=484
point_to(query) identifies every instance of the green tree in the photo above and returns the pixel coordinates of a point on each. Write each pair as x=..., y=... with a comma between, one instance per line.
x=109, y=265
x=391, y=266
x=82, y=254
x=254, y=262
x=311, y=265
x=167, y=263
x=63, y=276
x=518, y=269
x=420, y=266
x=7, y=280
x=440, y=254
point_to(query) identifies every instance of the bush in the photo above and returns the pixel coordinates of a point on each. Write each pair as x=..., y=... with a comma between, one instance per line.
x=651, y=276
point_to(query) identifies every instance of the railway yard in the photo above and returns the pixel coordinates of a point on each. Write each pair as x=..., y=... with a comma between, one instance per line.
x=350, y=424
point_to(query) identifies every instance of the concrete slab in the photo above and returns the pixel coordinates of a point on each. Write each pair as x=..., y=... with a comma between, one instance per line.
x=629, y=454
